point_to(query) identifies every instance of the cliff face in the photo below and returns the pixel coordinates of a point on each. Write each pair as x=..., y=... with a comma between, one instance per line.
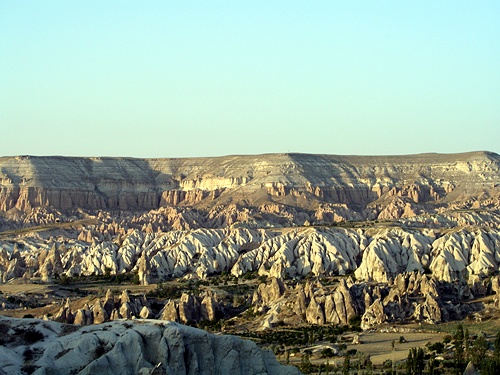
x=299, y=180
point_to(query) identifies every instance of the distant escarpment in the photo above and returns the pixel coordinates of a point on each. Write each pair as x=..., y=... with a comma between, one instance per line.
x=349, y=187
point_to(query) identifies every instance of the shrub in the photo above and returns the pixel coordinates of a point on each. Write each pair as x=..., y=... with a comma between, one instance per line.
x=164, y=291
x=100, y=350
x=29, y=369
x=438, y=347
x=355, y=322
x=352, y=351
x=30, y=335
x=28, y=355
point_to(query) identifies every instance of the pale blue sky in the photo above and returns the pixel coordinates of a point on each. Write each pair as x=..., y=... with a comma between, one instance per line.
x=207, y=78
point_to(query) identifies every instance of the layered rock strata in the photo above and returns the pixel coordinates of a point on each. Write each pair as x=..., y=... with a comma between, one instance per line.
x=393, y=185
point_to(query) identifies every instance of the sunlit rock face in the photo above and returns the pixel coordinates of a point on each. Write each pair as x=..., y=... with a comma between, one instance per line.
x=393, y=186
x=373, y=254
x=284, y=216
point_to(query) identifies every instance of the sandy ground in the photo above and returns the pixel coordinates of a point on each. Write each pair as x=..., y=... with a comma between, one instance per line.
x=378, y=345
x=26, y=288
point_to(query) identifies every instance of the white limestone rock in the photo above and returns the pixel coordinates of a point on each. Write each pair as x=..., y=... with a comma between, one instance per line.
x=133, y=346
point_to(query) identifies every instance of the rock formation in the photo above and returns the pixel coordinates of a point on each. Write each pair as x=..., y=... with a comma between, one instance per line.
x=469, y=254
x=354, y=181
x=420, y=233
x=130, y=347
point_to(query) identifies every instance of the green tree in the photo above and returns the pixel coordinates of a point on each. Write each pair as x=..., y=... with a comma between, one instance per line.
x=496, y=347
x=478, y=351
x=491, y=366
x=409, y=363
x=466, y=346
x=459, y=357
x=415, y=362
x=368, y=365
x=432, y=366
x=346, y=365
x=327, y=367
x=305, y=364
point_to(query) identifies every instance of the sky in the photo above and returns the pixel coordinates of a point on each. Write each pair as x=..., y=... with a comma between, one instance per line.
x=212, y=78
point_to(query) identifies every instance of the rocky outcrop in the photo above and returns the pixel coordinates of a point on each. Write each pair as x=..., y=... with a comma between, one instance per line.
x=469, y=254
x=429, y=311
x=410, y=297
x=267, y=293
x=373, y=316
x=132, y=347
x=191, y=309
x=188, y=309
x=28, y=182
x=495, y=287
x=340, y=306
x=310, y=303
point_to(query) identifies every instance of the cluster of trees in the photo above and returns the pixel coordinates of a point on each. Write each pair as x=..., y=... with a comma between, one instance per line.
x=363, y=366
x=485, y=356
x=107, y=277
x=415, y=363
x=298, y=336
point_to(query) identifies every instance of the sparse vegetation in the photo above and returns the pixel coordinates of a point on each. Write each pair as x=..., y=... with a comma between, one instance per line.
x=28, y=335
x=355, y=323
x=100, y=350
x=107, y=278
x=297, y=337
x=165, y=290
x=29, y=368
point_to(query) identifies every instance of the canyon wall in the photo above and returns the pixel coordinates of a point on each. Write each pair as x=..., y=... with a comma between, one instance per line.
x=299, y=180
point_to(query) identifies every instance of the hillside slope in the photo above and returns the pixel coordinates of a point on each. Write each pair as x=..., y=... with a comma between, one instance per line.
x=299, y=180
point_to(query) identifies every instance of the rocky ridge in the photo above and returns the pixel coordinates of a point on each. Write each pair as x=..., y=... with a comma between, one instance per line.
x=127, y=347
x=419, y=235
x=377, y=253
x=388, y=186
